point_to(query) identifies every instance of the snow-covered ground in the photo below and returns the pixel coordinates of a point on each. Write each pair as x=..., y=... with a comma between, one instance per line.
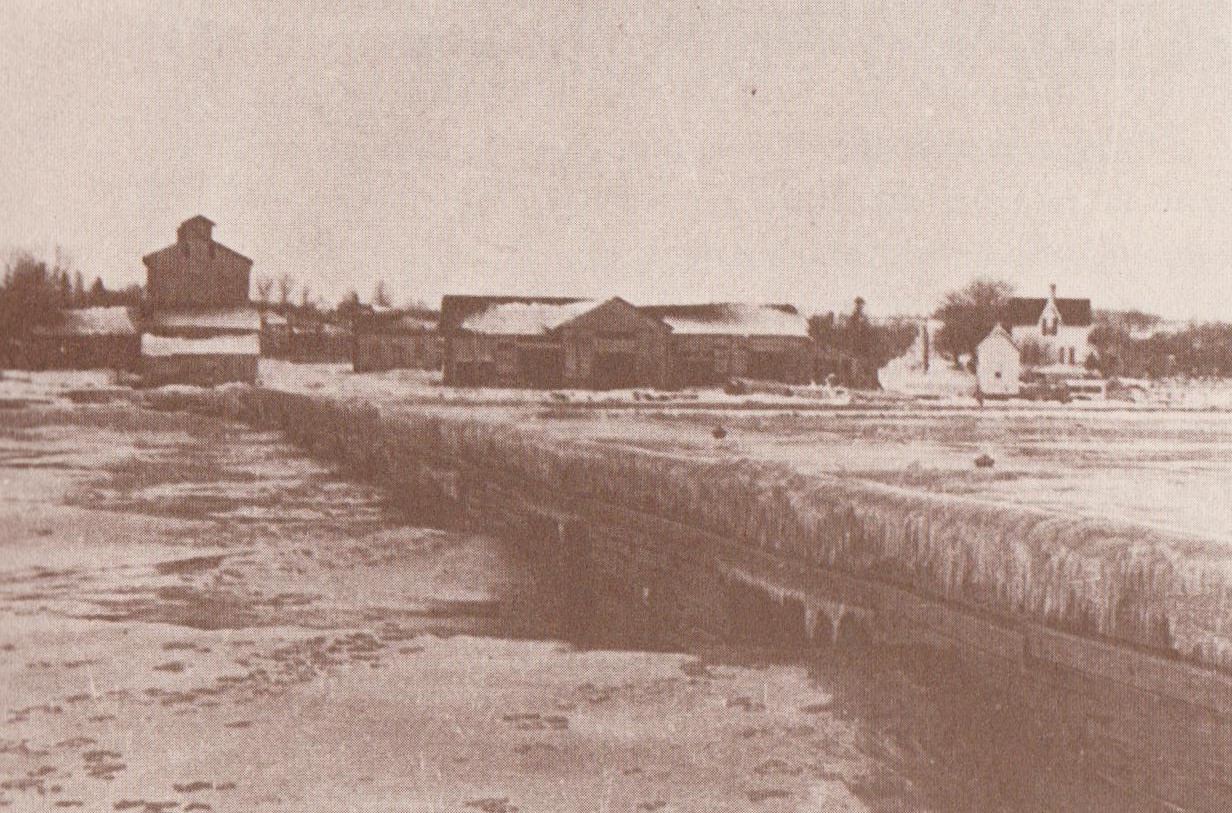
x=425, y=385
x=1157, y=467
x=177, y=594
x=52, y=385
x=420, y=385
x=194, y=616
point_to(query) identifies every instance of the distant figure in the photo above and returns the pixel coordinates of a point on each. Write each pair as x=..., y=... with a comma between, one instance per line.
x=984, y=462
x=719, y=433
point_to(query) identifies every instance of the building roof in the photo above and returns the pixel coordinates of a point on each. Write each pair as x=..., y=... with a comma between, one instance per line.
x=246, y=344
x=395, y=320
x=101, y=321
x=455, y=308
x=173, y=250
x=530, y=316
x=236, y=320
x=1019, y=311
x=731, y=319
x=525, y=318
x=998, y=332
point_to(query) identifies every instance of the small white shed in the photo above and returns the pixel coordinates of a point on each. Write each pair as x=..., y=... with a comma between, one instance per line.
x=998, y=363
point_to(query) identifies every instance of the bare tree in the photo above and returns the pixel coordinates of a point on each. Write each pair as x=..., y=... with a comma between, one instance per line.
x=969, y=314
x=98, y=294
x=32, y=295
x=286, y=286
x=265, y=287
x=380, y=295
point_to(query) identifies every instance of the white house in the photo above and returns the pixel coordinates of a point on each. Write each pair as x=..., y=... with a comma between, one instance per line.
x=1052, y=331
x=998, y=363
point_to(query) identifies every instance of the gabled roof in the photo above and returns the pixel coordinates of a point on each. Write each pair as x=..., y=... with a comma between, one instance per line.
x=173, y=250
x=525, y=318
x=100, y=321
x=1021, y=311
x=154, y=255
x=998, y=332
x=731, y=319
x=457, y=307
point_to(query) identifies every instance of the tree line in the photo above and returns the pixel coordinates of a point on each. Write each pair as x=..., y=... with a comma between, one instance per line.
x=35, y=294
x=1130, y=349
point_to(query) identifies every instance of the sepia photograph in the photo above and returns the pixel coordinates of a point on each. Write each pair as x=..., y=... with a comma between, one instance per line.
x=419, y=406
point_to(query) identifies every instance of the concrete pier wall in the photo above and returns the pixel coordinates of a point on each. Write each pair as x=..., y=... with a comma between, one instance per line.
x=1120, y=644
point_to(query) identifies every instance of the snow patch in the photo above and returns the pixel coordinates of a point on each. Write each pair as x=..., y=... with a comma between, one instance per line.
x=162, y=346
x=522, y=319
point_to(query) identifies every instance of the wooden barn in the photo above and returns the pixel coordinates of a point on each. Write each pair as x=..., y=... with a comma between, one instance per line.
x=196, y=271
x=385, y=339
x=714, y=343
x=551, y=342
x=199, y=325
x=86, y=338
x=469, y=359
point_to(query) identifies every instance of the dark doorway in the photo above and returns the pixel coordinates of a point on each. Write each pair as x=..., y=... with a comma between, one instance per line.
x=767, y=367
x=474, y=373
x=699, y=370
x=613, y=371
x=540, y=367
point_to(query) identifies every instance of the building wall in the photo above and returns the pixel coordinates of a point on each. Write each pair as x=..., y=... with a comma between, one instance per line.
x=198, y=370
x=275, y=341
x=599, y=360
x=1073, y=342
x=81, y=352
x=613, y=345
x=319, y=346
x=708, y=359
x=470, y=359
x=658, y=359
x=489, y=360
x=396, y=351
x=197, y=272
x=609, y=360
x=998, y=366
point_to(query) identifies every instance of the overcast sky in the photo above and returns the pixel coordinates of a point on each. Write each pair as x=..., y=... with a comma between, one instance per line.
x=803, y=152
